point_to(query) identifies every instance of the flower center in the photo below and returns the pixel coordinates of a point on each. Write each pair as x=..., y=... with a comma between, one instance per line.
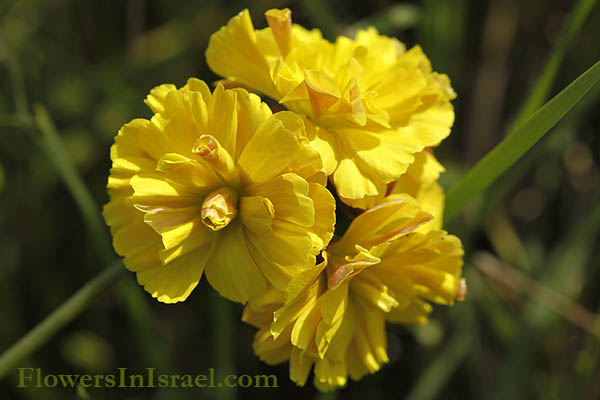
x=219, y=208
x=327, y=101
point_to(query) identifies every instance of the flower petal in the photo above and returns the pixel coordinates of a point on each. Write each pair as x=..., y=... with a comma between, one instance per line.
x=174, y=282
x=231, y=269
x=261, y=160
x=233, y=52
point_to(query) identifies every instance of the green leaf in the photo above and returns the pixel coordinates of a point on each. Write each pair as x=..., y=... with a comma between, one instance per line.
x=517, y=142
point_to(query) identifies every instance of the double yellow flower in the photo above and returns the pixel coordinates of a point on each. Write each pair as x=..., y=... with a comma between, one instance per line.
x=368, y=104
x=216, y=183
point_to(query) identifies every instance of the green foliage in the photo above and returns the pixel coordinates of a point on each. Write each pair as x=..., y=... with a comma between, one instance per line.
x=517, y=142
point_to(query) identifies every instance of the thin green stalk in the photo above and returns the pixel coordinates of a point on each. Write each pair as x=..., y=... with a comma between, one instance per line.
x=517, y=142
x=64, y=314
x=56, y=151
x=134, y=301
x=544, y=83
x=62, y=161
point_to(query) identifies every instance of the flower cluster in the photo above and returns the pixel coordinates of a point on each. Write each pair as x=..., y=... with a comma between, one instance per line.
x=216, y=183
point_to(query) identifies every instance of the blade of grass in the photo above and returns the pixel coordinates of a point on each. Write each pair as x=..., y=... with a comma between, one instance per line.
x=537, y=95
x=133, y=298
x=498, y=193
x=60, y=317
x=54, y=148
x=517, y=142
x=544, y=83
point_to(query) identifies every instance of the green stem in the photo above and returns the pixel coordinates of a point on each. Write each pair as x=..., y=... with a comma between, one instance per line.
x=133, y=299
x=56, y=151
x=64, y=314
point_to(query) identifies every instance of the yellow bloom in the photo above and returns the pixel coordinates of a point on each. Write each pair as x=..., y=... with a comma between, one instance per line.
x=420, y=182
x=333, y=315
x=369, y=104
x=215, y=182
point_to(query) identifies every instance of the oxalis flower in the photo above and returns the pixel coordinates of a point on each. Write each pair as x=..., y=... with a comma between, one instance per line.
x=215, y=182
x=387, y=267
x=368, y=103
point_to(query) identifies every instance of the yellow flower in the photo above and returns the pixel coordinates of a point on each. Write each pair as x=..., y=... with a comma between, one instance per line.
x=333, y=315
x=369, y=104
x=420, y=182
x=215, y=182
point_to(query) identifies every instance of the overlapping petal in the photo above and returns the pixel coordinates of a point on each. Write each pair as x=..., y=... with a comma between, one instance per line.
x=215, y=183
x=420, y=182
x=369, y=104
x=333, y=316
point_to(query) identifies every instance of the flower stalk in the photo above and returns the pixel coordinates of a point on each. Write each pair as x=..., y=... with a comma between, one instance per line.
x=60, y=317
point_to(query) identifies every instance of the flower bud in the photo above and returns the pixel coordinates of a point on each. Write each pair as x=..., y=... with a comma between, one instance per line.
x=219, y=208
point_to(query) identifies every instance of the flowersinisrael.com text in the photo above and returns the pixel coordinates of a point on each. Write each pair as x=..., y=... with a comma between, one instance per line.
x=36, y=378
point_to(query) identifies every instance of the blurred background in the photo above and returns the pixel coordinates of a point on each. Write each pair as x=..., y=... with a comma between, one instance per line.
x=528, y=328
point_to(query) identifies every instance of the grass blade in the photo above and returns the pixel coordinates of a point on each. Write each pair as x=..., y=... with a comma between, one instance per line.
x=517, y=142
x=64, y=314
x=134, y=300
x=54, y=148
